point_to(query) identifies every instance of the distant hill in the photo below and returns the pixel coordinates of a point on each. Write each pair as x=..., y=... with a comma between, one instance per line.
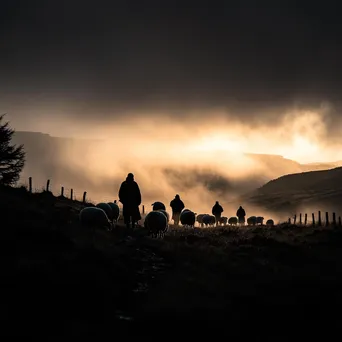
x=321, y=166
x=316, y=190
x=278, y=164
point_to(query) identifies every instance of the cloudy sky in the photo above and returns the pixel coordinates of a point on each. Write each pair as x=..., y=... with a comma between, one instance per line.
x=112, y=58
x=199, y=78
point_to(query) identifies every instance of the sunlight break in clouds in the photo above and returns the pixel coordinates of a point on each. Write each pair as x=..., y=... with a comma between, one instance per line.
x=201, y=160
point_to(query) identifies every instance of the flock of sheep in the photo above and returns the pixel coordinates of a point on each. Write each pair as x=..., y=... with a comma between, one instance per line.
x=106, y=215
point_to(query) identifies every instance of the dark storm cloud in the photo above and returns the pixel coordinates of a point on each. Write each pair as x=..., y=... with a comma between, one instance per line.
x=172, y=55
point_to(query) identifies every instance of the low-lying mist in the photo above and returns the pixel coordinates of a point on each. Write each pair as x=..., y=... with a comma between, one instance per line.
x=202, y=160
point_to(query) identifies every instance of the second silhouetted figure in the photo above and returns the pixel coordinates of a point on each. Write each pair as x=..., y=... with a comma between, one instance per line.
x=241, y=215
x=177, y=206
x=130, y=197
x=217, y=211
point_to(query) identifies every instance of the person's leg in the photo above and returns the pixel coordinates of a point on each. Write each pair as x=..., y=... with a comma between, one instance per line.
x=127, y=219
x=176, y=220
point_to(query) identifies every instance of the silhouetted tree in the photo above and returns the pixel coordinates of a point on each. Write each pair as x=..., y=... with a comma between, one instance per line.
x=12, y=157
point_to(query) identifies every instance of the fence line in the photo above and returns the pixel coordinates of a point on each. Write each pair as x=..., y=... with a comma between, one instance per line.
x=319, y=222
x=64, y=192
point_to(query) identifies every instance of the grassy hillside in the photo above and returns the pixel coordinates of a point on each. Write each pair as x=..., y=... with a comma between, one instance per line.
x=320, y=189
x=57, y=281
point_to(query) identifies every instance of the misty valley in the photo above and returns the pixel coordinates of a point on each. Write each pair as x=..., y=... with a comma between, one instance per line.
x=79, y=269
x=88, y=165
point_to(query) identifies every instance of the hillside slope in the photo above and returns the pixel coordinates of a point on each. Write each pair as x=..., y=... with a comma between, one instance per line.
x=317, y=190
x=59, y=280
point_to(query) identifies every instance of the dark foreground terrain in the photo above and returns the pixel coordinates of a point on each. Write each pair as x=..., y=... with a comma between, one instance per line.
x=256, y=282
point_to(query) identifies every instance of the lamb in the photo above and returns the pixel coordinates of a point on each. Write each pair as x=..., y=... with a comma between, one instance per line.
x=156, y=223
x=187, y=218
x=233, y=221
x=94, y=217
x=223, y=220
x=252, y=220
x=199, y=219
x=270, y=222
x=158, y=206
x=260, y=220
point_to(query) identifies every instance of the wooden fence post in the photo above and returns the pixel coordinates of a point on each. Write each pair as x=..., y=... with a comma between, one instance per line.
x=62, y=191
x=30, y=185
x=334, y=219
x=143, y=209
x=313, y=219
x=326, y=218
x=319, y=219
x=295, y=219
x=84, y=197
x=71, y=194
x=339, y=221
x=300, y=219
x=47, y=185
x=305, y=219
x=289, y=220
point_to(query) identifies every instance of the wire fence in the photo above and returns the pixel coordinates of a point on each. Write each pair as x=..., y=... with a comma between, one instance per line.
x=82, y=196
x=68, y=193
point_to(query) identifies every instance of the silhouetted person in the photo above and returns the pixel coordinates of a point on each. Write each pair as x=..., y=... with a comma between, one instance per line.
x=217, y=211
x=130, y=197
x=241, y=215
x=177, y=206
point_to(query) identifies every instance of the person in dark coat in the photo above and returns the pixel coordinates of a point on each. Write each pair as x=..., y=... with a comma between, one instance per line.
x=217, y=210
x=130, y=197
x=177, y=206
x=241, y=215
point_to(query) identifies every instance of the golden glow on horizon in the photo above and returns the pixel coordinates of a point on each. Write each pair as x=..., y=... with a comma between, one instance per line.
x=147, y=147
